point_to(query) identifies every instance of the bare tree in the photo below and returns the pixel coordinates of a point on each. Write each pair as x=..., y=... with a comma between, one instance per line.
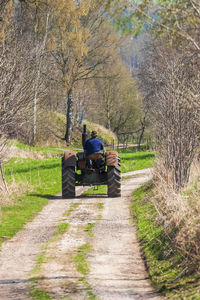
x=170, y=81
x=16, y=78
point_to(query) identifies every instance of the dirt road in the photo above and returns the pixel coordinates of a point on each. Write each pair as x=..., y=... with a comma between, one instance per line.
x=111, y=269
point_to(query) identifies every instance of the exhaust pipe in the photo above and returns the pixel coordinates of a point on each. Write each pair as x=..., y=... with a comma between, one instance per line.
x=84, y=136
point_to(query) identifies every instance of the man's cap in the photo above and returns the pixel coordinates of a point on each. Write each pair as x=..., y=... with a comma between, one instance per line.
x=93, y=133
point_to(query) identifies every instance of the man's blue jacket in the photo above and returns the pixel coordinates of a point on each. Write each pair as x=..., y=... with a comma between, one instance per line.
x=93, y=145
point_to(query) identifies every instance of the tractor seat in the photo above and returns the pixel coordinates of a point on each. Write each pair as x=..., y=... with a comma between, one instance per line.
x=94, y=156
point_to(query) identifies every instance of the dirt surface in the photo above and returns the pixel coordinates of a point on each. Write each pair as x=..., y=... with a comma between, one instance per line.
x=17, y=256
x=116, y=267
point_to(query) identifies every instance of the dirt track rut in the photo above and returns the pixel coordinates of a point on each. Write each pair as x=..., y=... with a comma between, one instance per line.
x=116, y=267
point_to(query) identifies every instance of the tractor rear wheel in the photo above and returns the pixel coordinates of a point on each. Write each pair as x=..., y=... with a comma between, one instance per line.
x=68, y=181
x=114, y=184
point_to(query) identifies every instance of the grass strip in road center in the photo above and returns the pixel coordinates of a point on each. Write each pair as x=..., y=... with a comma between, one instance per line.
x=81, y=259
x=89, y=228
x=83, y=267
x=38, y=294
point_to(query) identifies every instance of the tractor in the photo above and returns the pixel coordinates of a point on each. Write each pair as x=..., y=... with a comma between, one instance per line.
x=104, y=170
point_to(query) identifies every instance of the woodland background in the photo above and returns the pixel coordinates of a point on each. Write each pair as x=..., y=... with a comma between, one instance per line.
x=67, y=57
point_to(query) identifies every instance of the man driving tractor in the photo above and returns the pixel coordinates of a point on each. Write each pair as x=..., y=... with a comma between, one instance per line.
x=93, y=148
x=92, y=167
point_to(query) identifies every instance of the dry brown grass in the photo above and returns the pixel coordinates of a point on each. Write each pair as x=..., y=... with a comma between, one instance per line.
x=14, y=151
x=15, y=189
x=178, y=213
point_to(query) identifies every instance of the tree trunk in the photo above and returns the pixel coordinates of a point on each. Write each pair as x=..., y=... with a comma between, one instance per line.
x=68, y=117
x=39, y=53
x=140, y=137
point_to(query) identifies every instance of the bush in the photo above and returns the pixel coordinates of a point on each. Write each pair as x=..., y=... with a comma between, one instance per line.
x=179, y=216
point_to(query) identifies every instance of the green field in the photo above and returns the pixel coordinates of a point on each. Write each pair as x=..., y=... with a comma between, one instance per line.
x=42, y=181
x=131, y=161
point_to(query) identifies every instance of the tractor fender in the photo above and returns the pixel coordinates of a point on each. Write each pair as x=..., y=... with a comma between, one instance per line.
x=70, y=159
x=112, y=158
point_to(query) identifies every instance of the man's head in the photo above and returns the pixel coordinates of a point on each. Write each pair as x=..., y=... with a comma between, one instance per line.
x=93, y=134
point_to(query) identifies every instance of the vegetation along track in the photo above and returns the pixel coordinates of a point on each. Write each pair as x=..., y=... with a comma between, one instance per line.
x=95, y=257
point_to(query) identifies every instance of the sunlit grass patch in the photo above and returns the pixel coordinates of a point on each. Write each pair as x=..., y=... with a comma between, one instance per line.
x=62, y=227
x=133, y=161
x=44, y=179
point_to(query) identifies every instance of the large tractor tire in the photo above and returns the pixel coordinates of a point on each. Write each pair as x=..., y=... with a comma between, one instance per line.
x=68, y=181
x=114, y=183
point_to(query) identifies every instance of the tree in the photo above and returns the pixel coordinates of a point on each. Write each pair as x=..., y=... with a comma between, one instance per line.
x=74, y=46
x=16, y=82
x=171, y=19
x=171, y=83
x=115, y=101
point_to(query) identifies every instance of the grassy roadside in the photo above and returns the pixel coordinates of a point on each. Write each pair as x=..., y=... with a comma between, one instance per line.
x=132, y=161
x=164, y=266
x=42, y=177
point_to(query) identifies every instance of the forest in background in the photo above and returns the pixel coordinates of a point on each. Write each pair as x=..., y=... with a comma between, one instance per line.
x=67, y=57
x=64, y=57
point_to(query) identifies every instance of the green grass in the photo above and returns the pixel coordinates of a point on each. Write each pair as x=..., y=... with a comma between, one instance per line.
x=128, y=177
x=89, y=228
x=81, y=259
x=132, y=161
x=83, y=267
x=33, y=171
x=39, y=260
x=100, y=205
x=38, y=294
x=164, y=265
x=131, y=149
x=62, y=228
x=43, y=181
x=73, y=206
